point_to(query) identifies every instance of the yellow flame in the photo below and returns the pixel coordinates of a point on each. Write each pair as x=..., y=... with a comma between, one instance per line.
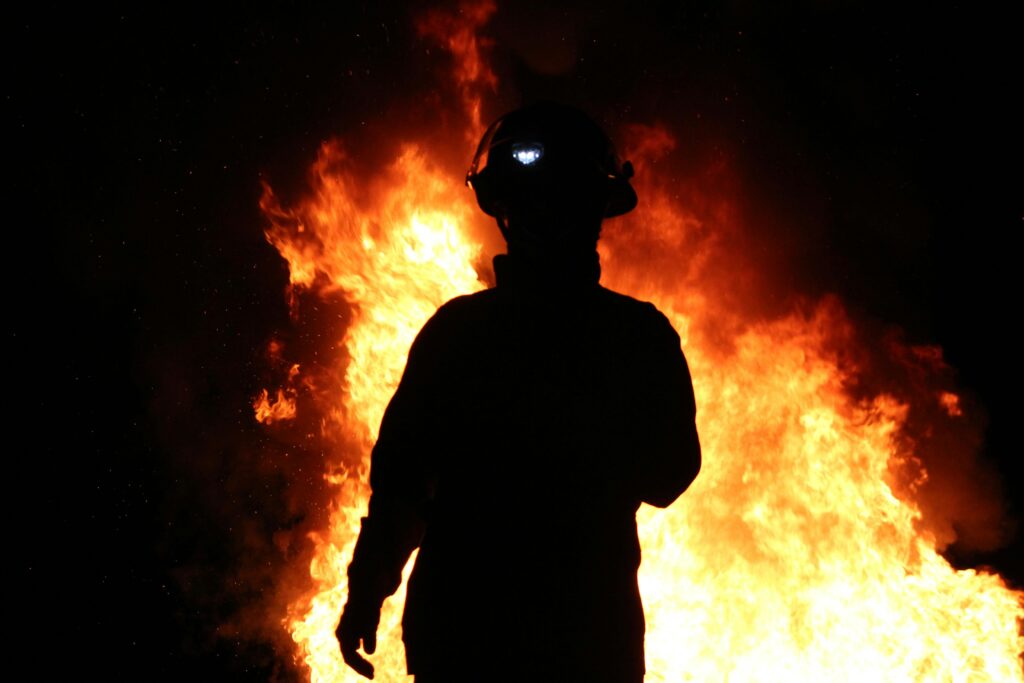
x=397, y=263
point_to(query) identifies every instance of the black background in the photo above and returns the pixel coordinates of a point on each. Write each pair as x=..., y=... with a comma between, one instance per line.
x=137, y=144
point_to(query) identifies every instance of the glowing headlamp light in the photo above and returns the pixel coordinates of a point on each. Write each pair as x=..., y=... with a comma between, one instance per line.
x=527, y=153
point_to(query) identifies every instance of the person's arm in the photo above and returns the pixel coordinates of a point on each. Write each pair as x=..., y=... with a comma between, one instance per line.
x=668, y=454
x=401, y=482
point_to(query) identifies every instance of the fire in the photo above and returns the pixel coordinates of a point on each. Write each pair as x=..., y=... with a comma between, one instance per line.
x=951, y=402
x=397, y=264
x=798, y=554
x=459, y=35
x=269, y=412
x=283, y=407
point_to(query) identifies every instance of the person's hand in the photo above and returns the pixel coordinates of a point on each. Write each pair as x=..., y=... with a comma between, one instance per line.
x=359, y=622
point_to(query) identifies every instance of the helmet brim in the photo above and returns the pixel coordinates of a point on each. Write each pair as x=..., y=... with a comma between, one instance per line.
x=622, y=200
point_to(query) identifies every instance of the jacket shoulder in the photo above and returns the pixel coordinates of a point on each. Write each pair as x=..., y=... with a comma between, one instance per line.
x=626, y=301
x=467, y=302
x=643, y=313
x=466, y=306
x=458, y=312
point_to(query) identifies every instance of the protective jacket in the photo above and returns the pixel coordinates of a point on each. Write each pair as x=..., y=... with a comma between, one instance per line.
x=531, y=421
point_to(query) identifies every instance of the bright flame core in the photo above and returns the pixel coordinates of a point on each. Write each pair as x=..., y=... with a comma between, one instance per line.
x=791, y=558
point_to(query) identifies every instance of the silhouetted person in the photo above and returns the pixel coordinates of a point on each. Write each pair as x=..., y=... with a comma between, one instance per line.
x=531, y=421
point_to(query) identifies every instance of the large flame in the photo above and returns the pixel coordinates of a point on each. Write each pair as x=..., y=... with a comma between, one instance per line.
x=798, y=553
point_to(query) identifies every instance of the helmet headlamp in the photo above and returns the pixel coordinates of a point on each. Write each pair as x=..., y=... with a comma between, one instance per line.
x=549, y=149
x=527, y=153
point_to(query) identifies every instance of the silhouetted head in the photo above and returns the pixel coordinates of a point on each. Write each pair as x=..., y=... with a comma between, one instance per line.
x=549, y=175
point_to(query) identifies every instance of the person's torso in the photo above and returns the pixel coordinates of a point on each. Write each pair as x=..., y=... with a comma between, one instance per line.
x=531, y=540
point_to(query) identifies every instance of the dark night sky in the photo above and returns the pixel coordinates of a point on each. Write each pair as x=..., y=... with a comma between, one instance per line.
x=885, y=146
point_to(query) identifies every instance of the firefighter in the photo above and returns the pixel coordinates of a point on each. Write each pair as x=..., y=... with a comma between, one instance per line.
x=531, y=421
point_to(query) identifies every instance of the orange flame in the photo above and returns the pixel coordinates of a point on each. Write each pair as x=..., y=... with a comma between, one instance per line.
x=269, y=412
x=471, y=73
x=951, y=402
x=796, y=555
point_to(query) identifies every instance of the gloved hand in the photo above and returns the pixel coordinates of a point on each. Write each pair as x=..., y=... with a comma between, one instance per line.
x=359, y=621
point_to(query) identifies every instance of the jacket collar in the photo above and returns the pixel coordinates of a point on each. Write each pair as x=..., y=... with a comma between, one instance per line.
x=581, y=271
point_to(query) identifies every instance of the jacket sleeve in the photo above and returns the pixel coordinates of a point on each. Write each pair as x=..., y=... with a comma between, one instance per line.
x=668, y=454
x=402, y=475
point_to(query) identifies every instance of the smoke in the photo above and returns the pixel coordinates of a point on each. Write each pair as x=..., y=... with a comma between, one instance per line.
x=961, y=496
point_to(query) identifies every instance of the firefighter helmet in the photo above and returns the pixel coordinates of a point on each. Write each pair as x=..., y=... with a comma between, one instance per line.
x=549, y=152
